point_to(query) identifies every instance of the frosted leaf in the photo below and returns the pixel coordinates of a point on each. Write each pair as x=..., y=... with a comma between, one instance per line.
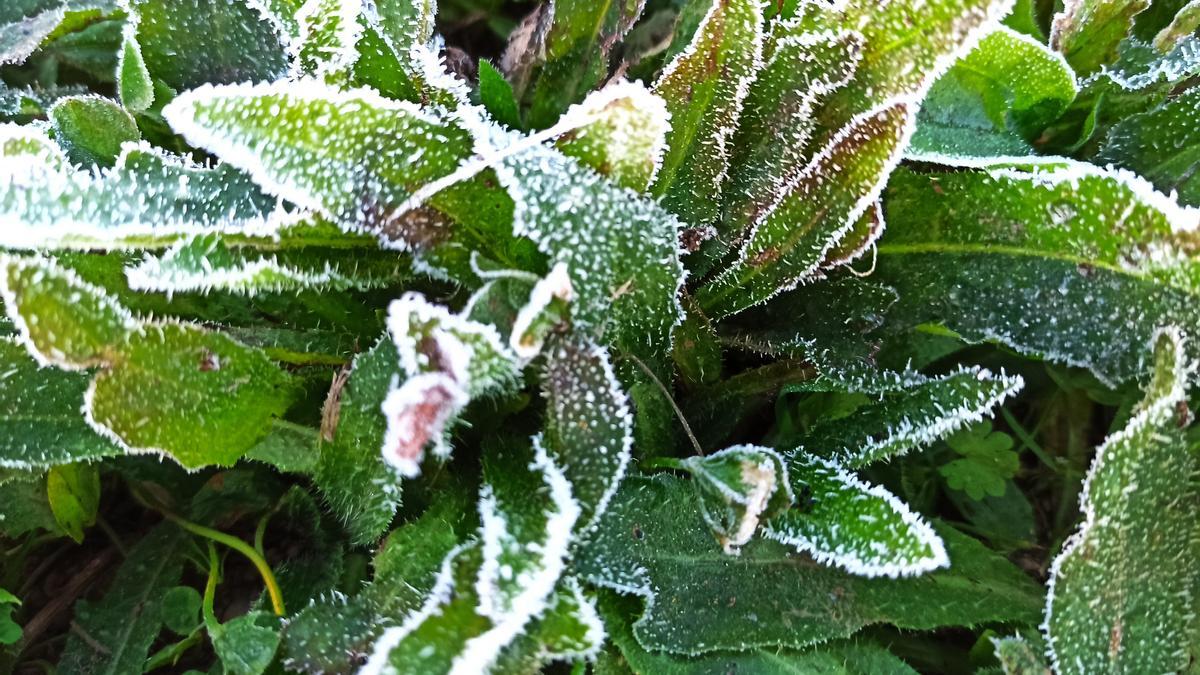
x=150, y=198
x=40, y=424
x=1099, y=261
x=1184, y=24
x=1018, y=657
x=1120, y=596
x=815, y=211
x=164, y=387
x=620, y=249
x=737, y=488
x=449, y=360
x=906, y=47
x=21, y=34
x=135, y=86
x=861, y=528
x=859, y=239
x=625, y=136
x=546, y=310
x=204, y=264
x=589, y=429
x=912, y=413
x=189, y=43
x=704, y=87
x=327, y=47
x=1087, y=32
x=62, y=320
x=1162, y=145
x=771, y=144
x=488, y=594
x=353, y=156
x=571, y=628
x=404, y=23
x=1141, y=67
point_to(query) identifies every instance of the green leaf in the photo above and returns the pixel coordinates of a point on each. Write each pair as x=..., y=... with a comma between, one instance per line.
x=245, y=645
x=25, y=507
x=652, y=541
x=485, y=595
x=861, y=528
x=1162, y=145
x=995, y=101
x=135, y=87
x=1018, y=657
x=74, y=493
x=180, y=609
x=624, y=136
x=814, y=212
x=589, y=429
x=224, y=42
x=626, y=272
x=704, y=87
x=988, y=461
x=327, y=45
x=1087, y=32
x=337, y=632
x=357, y=484
x=913, y=411
x=371, y=154
x=837, y=658
x=1121, y=589
x=41, y=424
x=10, y=632
x=1098, y=262
x=92, y=129
x=122, y=626
x=206, y=264
x=1182, y=25
x=771, y=144
x=737, y=487
x=150, y=198
x=24, y=24
x=170, y=388
x=496, y=94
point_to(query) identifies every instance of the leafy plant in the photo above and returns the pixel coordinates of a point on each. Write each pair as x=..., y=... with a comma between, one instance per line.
x=683, y=336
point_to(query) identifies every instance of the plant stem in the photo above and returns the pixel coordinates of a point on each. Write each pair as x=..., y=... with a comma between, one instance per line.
x=670, y=399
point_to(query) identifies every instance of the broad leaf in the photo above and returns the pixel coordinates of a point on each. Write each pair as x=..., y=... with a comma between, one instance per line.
x=737, y=487
x=652, y=541
x=360, y=166
x=1121, y=590
x=994, y=101
x=74, y=494
x=1098, y=261
x=92, y=129
x=169, y=388
x=227, y=40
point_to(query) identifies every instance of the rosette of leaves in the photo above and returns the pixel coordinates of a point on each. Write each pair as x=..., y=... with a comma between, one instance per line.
x=315, y=260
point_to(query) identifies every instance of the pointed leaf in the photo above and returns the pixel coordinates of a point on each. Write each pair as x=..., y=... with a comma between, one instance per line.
x=625, y=137
x=1121, y=590
x=814, y=213
x=1162, y=145
x=92, y=129
x=74, y=493
x=912, y=413
x=704, y=87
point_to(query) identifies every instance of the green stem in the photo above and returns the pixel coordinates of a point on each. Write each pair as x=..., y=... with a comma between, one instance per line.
x=661, y=463
x=687, y=428
x=210, y=587
x=234, y=543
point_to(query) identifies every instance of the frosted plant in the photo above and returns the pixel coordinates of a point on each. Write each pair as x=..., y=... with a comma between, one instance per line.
x=694, y=336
